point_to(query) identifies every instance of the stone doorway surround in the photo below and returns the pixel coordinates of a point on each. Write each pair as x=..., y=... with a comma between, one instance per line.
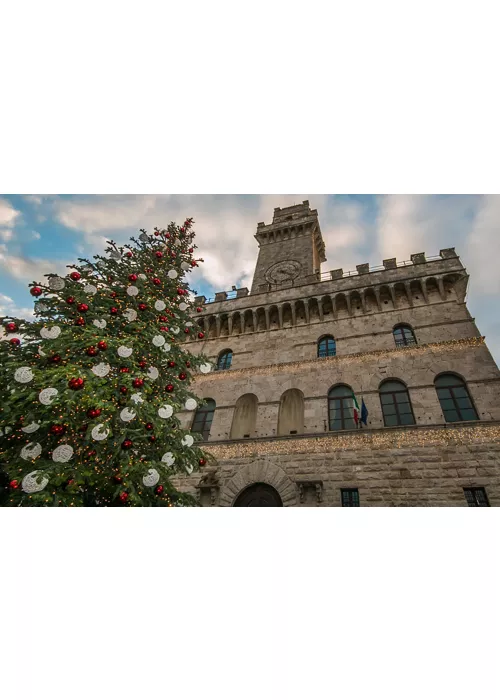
x=262, y=470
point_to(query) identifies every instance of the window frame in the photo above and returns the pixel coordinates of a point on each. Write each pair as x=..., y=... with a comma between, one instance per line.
x=474, y=490
x=353, y=496
x=343, y=410
x=395, y=403
x=404, y=341
x=204, y=411
x=327, y=339
x=461, y=384
x=221, y=359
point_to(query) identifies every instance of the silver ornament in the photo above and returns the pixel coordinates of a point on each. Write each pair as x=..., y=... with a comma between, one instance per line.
x=183, y=306
x=115, y=255
x=31, y=428
x=185, y=266
x=175, y=330
x=123, y=351
x=57, y=283
x=101, y=370
x=189, y=468
x=31, y=451
x=100, y=432
x=137, y=398
x=153, y=373
x=142, y=276
x=40, y=351
x=50, y=333
x=158, y=341
x=160, y=305
x=130, y=315
x=151, y=478
x=173, y=274
x=41, y=307
x=23, y=375
x=144, y=237
x=190, y=405
x=165, y=411
x=33, y=483
x=90, y=289
x=166, y=348
x=100, y=323
x=132, y=291
x=168, y=458
x=46, y=396
x=187, y=440
x=127, y=415
x=63, y=453
x=206, y=368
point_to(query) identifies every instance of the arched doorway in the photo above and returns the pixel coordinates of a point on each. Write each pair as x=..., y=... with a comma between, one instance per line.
x=259, y=495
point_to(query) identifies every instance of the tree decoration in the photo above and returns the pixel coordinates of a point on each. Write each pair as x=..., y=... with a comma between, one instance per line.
x=59, y=381
x=168, y=458
x=190, y=405
x=188, y=440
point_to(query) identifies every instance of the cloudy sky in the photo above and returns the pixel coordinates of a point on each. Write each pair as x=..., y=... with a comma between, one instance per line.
x=43, y=233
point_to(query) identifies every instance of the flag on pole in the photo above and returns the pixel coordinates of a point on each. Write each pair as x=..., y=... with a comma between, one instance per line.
x=364, y=412
x=355, y=408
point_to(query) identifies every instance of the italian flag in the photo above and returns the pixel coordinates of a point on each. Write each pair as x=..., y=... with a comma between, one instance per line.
x=355, y=407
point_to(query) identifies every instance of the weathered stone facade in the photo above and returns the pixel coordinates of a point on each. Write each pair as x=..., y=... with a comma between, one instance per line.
x=271, y=423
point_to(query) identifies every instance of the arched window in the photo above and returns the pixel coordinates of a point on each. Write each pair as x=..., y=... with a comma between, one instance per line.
x=396, y=405
x=291, y=413
x=340, y=408
x=244, y=417
x=203, y=419
x=225, y=359
x=404, y=335
x=454, y=398
x=327, y=346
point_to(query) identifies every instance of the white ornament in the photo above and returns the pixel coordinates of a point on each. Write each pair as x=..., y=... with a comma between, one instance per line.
x=151, y=478
x=132, y=291
x=50, y=333
x=206, y=368
x=130, y=315
x=90, y=289
x=123, y=351
x=100, y=324
x=7, y=431
x=175, y=330
x=168, y=458
x=42, y=308
x=183, y=306
x=31, y=484
x=31, y=451
x=100, y=432
x=63, y=453
x=153, y=373
x=142, y=276
x=185, y=266
x=158, y=341
x=137, y=398
x=127, y=415
x=189, y=468
x=165, y=411
x=190, y=405
x=160, y=305
x=189, y=324
x=57, y=283
x=187, y=440
x=115, y=255
x=40, y=351
x=23, y=375
x=31, y=428
x=173, y=274
x=144, y=237
x=46, y=396
x=166, y=348
x=101, y=370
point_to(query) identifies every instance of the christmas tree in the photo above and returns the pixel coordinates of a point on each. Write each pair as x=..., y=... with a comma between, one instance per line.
x=91, y=388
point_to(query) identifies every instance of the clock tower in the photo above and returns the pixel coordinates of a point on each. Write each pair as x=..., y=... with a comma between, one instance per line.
x=291, y=249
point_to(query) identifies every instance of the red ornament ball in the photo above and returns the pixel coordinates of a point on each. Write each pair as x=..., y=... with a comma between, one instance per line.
x=149, y=269
x=15, y=342
x=80, y=321
x=199, y=309
x=159, y=490
x=118, y=479
x=159, y=254
x=164, y=328
x=127, y=444
x=149, y=426
x=93, y=412
x=123, y=390
x=180, y=292
x=70, y=300
x=182, y=376
x=75, y=276
x=157, y=281
x=202, y=462
x=169, y=387
x=83, y=307
x=191, y=250
x=36, y=291
x=92, y=351
x=113, y=295
x=186, y=330
x=113, y=310
x=83, y=428
x=132, y=278
x=143, y=364
x=171, y=363
x=102, y=345
x=124, y=370
x=76, y=383
x=123, y=497
x=194, y=263
x=55, y=358
x=157, y=233
x=91, y=453
x=129, y=254
x=11, y=327
x=14, y=484
x=201, y=335
x=142, y=307
x=137, y=383
x=164, y=319
x=56, y=429
x=188, y=364
x=152, y=438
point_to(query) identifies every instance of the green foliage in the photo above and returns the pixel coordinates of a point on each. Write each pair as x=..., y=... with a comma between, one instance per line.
x=133, y=300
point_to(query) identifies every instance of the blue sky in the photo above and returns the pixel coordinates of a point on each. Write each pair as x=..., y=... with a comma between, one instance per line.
x=44, y=233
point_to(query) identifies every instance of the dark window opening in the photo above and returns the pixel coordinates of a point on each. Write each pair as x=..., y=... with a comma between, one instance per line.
x=225, y=360
x=396, y=405
x=203, y=419
x=454, y=398
x=340, y=408
x=327, y=347
x=476, y=497
x=350, y=498
x=404, y=335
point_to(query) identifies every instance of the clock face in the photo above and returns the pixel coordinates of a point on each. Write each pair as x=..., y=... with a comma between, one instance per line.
x=284, y=271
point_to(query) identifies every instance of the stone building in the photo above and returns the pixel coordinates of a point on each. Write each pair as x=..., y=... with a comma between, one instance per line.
x=291, y=355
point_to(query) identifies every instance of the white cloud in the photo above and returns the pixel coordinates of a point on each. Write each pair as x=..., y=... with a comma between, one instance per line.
x=6, y=234
x=29, y=269
x=7, y=213
x=9, y=308
x=36, y=236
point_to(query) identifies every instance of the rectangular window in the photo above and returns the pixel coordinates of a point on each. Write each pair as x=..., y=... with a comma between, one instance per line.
x=350, y=498
x=476, y=497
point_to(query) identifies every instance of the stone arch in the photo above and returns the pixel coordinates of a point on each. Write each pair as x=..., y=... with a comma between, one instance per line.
x=313, y=310
x=327, y=305
x=432, y=289
x=244, y=417
x=386, y=298
x=401, y=294
x=212, y=327
x=224, y=325
x=370, y=301
x=261, y=323
x=286, y=310
x=248, y=321
x=236, y=323
x=341, y=306
x=356, y=304
x=417, y=293
x=291, y=413
x=455, y=287
x=260, y=471
x=300, y=313
x=274, y=318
